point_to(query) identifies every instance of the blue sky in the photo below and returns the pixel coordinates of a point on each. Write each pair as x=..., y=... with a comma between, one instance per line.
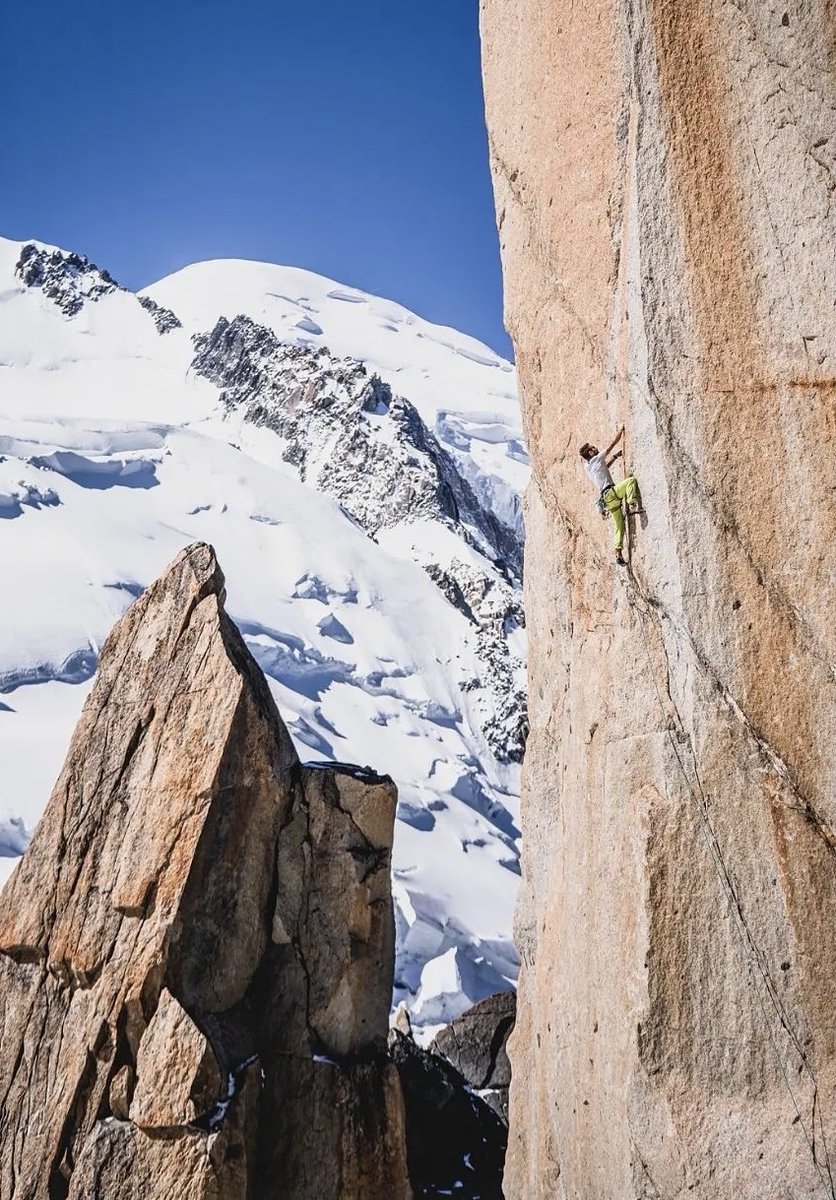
x=345, y=136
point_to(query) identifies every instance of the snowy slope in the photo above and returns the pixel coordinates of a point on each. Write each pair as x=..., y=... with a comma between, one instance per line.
x=108, y=358
x=378, y=643
x=464, y=391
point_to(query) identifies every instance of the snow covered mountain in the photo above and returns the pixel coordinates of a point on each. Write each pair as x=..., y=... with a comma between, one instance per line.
x=359, y=471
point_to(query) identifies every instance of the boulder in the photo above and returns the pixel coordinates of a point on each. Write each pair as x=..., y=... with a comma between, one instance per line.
x=196, y=951
x=475, y=1044
x=455, y=1141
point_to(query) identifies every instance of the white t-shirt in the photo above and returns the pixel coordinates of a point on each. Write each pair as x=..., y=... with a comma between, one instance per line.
x=599, y=472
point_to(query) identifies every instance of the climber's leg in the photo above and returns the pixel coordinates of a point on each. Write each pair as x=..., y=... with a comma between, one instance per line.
x=612, y=503
x=628, y=489
x=618, y=525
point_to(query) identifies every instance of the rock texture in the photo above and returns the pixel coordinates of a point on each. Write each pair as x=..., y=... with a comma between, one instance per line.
x=455, y=1141
x=476, y=1045
x=351, y=437
x=664, y=177
x=71, y=281
x=196, y=951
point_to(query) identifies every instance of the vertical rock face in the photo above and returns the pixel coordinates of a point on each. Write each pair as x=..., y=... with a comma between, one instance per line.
x=196, y=952
x=664, y=179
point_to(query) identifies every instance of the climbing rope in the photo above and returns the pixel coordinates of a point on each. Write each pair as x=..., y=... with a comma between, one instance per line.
x=752, y=954
x=751, y=951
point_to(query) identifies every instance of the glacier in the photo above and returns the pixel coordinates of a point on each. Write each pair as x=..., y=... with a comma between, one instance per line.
x=359, y=471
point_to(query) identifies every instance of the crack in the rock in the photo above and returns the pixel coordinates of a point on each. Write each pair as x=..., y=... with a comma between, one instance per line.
x=723, y=519
x=61, y=1166
x=766, y=752
x=212, y=1119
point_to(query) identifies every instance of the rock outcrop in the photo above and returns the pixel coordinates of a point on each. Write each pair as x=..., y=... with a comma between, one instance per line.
x=71, y=281
x=455, y=1141
x=664, y=178
x=476, y=1045
x=196, y=951
x=351, y=437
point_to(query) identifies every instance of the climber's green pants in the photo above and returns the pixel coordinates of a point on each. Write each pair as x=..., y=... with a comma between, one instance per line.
x=627, y=490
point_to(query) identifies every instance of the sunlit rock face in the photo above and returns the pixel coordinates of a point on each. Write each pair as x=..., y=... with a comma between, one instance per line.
x=197, y=949
x=664, y=180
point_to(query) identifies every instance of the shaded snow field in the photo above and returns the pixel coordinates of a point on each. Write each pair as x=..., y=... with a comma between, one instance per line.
x=365, y=657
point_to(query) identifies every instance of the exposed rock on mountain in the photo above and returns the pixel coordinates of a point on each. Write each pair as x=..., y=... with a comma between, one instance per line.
x=496, y=612
x=664, y=187
x=475, y=1044
x=398, y=644
x=164, y=318
x=455, y=1141
x=348, y=434
x=196, y=952
x=70, y=280
x=350, y=437
x=67, y=278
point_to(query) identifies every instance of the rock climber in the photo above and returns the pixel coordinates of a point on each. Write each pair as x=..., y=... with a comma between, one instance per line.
x=611, y=495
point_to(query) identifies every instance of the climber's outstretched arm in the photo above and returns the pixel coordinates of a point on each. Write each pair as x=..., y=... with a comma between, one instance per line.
x=614, y=442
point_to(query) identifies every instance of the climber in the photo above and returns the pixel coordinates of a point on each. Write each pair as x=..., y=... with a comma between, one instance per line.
x=611, y=494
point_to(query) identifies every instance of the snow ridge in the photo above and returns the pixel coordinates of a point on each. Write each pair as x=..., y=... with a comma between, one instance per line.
x=70, y=280
x=350, y=437
x=348, y=434
x=358, y=471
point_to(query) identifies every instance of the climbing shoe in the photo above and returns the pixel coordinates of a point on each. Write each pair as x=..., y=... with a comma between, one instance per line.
x=620, y=559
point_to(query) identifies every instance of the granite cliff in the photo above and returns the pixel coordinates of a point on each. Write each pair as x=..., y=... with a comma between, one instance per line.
x=664, y=180
x=197, y=949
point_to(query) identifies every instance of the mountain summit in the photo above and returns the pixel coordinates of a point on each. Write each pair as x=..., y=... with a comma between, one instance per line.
x=360, y=470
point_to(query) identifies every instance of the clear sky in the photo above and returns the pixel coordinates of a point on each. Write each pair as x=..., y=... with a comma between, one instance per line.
x=345, y=136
